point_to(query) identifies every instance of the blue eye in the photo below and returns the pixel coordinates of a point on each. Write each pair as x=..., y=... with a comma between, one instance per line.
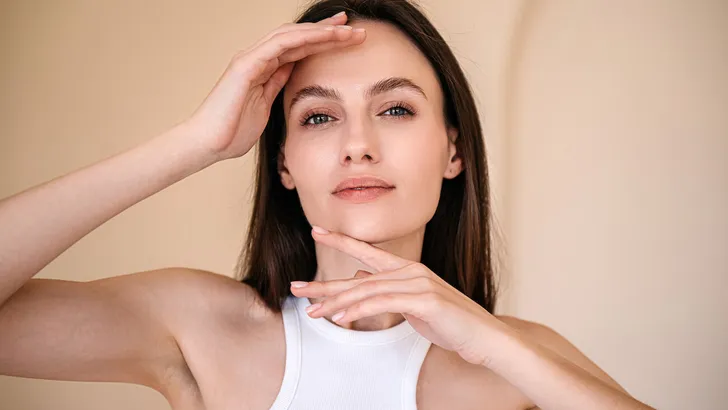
x=399, y=110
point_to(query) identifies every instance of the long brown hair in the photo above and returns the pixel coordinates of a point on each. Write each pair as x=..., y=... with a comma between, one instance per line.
x=457, y=243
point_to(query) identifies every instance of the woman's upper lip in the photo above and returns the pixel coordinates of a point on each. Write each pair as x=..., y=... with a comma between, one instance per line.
x=362, y=182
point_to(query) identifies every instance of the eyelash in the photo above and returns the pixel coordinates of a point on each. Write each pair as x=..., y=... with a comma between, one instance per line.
x=409, y=112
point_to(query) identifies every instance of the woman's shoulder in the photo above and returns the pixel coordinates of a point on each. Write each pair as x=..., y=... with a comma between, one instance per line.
x=210, y=294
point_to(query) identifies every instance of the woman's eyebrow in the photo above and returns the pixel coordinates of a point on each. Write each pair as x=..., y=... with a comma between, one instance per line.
x=380, y=87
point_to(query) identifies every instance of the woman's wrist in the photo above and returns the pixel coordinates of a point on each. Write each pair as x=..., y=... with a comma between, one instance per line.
x=500, y=342
x=182, y=143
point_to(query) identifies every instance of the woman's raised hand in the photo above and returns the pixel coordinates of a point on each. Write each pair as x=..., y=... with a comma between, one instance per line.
x=233, y=116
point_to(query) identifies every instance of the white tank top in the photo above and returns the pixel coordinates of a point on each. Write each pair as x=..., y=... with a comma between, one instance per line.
x=329, y=367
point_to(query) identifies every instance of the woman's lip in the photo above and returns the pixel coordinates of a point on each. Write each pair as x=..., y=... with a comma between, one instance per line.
x=365, y=194
x=362, y=181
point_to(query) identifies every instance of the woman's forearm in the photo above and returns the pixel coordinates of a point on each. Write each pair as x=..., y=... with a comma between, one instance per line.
x=40, y=223
x=551, y=381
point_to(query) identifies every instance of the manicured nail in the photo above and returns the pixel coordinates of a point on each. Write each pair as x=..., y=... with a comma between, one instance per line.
x=359, y=30
x=345, y=27
x=339, y=14
x=313, y=307
x=299, y=284
x=320, y=230
x=338, y=316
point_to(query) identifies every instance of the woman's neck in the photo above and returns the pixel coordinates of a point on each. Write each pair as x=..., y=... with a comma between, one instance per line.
x=333, y=265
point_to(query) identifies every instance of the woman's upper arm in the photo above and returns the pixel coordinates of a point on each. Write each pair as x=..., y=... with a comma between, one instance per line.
x=118, y=329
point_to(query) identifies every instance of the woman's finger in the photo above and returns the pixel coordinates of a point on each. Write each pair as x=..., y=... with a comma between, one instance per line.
x=306, y=50
x=282, y=42
x=259, y=64
x=370, y=289
x=322, y=289
x=417, y=305
x=310, y=49
x=334, y=20
x=367, y=254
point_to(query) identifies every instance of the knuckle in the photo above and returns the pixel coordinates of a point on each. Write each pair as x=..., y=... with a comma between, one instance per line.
x=425, y=283
x=238, y=57
x=425, y=271
x=240, y=62
x=370, y=286
x=283, y=38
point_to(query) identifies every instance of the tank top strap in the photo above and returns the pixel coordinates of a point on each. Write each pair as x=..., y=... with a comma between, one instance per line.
x=412, y=372
x=292, y=330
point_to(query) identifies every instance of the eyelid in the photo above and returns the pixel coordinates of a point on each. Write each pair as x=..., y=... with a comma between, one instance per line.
x=313, y=112
x=307, y=115
x=402, y=104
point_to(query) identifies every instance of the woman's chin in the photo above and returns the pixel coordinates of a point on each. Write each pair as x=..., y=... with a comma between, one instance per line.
x=371, y=233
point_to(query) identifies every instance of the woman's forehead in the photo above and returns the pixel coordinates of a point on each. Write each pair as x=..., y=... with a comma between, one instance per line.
x=386, y=53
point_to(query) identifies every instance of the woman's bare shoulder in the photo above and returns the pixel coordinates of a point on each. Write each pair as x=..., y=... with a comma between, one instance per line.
x=211, y=292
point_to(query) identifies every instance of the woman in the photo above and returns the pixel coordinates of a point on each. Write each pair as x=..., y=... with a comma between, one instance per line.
x=374, y=140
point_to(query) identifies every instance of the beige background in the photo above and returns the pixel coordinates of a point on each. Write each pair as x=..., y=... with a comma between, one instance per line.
x=607, y=130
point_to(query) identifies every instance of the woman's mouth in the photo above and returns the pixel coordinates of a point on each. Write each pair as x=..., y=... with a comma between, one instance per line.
x=362, y=194
x=363, y=188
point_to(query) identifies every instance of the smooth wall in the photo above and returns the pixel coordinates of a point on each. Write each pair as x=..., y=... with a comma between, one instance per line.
x=607, y=129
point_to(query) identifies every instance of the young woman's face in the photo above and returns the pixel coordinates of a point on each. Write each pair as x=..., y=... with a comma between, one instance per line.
x=372, y=110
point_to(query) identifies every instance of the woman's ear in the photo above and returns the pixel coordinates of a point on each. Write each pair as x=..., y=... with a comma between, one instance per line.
x=286, y=178
x=455, y=165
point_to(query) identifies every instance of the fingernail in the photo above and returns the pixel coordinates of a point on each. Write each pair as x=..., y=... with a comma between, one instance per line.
x=339, y=14
x=313, y=307
x=298, y=284
x=345, y=27
x=359, y=30
x=320, y=230
x=338, y=316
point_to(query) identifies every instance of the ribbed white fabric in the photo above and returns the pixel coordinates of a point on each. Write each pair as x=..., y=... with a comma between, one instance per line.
x=332, y=368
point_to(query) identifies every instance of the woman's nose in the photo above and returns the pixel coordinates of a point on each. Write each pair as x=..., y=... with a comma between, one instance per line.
x=359, y=144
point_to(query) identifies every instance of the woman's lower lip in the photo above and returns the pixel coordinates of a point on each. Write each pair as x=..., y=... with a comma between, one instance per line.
x=362, y=195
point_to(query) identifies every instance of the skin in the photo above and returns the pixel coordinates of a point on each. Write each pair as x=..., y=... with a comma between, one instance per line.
x=355, y=134
x=367, y=136
x=206, y=341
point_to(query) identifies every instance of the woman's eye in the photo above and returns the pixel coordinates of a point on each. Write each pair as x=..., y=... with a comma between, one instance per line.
x=397, y=111
x=316, y=119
